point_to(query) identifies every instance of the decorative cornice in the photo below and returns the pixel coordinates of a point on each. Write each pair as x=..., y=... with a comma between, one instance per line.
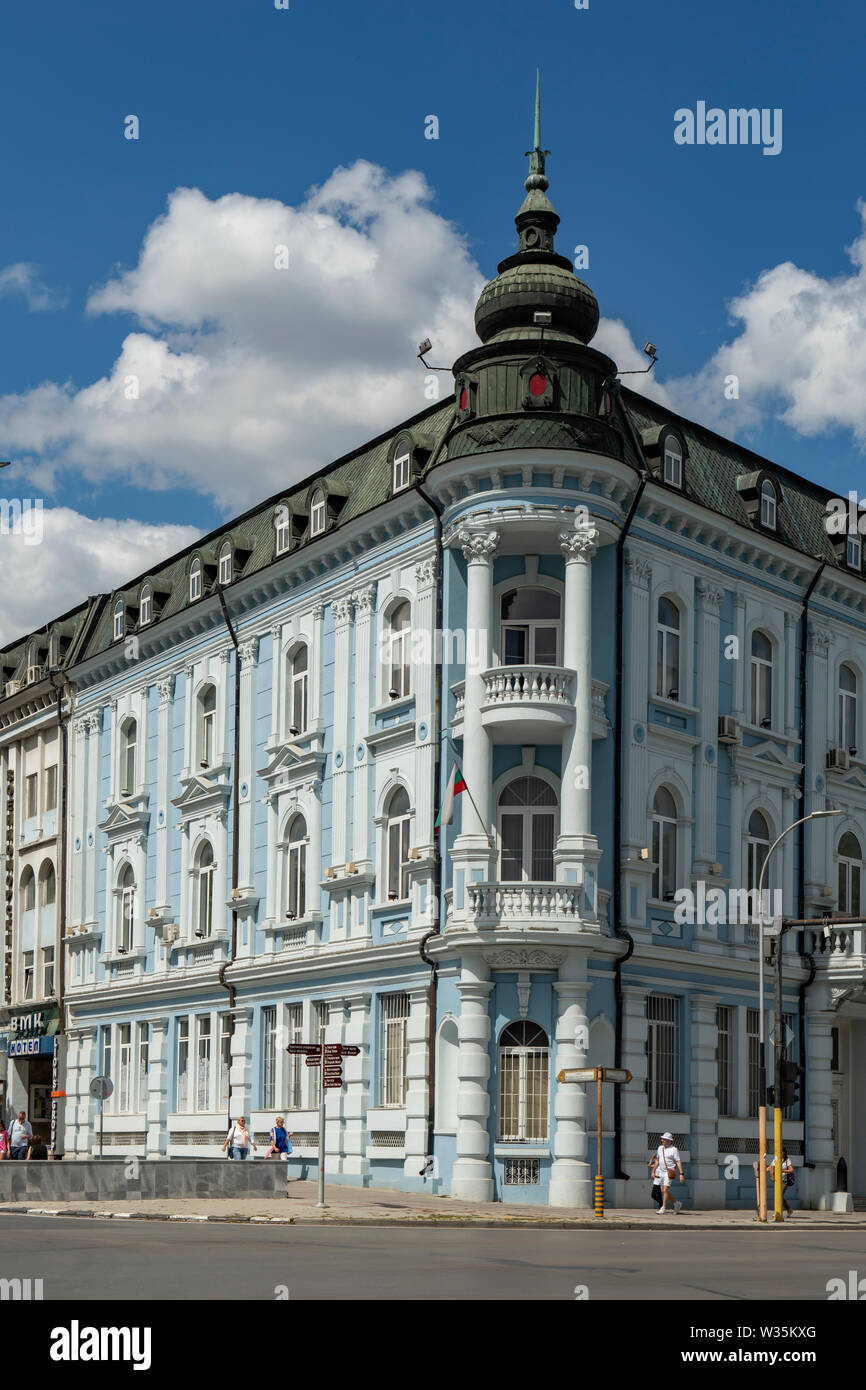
x=524, y=958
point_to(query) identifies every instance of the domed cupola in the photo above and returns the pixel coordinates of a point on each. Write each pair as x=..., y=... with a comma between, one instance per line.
x=536, y=278
x=535, y=382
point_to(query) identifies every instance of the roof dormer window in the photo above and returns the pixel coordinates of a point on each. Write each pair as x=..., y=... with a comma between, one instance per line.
x=282, y=528
x=318, y=514
x=673, y=462
x=853, y=552
x=769, y=506
x=225, y=568
x=402, y=470
x=195, y=580
x=146, y=605
x=117, y=629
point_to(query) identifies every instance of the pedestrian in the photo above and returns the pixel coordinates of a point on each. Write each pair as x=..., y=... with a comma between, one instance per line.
x=787, y=1178
x=239, y=1140
x=668, y=1156
x=4, y=1140
x=38, y=1148
x=20, y=1135
x=281, y=1140
x=657, y=1181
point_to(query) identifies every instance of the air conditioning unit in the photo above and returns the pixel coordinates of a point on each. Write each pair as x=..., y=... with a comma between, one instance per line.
x=838, y=759
x=727, y=728
x=170, y=932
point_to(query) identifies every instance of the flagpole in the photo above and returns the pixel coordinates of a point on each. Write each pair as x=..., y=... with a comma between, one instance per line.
x=459, y=763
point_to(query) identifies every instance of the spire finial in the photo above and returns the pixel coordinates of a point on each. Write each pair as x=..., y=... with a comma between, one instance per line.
x=537, y=155
x=536, y=143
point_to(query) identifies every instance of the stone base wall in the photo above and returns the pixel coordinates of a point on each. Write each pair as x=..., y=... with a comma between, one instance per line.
x=130, y=1179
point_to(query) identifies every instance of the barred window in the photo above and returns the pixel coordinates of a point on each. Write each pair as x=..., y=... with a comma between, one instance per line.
x=524, y=1085
x=725, y=1084
x=754, y=1060
x=269, y=1058
x=663, y=1052
x=393, y=1048
x=295, y=1027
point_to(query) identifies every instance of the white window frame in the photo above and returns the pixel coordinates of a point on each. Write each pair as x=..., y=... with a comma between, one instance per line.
x=665, y=849
x=297, y=1066
x=399, y=644
x=673, y=462
x=298, y=702
x=142, y=1062
x=761, y=682
x=533, y=1083
x=128, y=756
x=195, y=580
x=203, y=1064
x=318, y=514
x=269, y=1057
x=849, y=877
x=667, y=638
x=527, y=815
x=397, y=836
x=401, y=471
x=48, y=972
x=124, y=1089
x=145, y=615
x=225, y=563
x=769, y=505
x=28, y=975
x=282, y=530
x=530, y=627
x=296, y=871
x=757, y=850
x=847, y=710
x=118, y=624
x=182, y=1067
x=853, y=551
x=126, y=911
x=394, y=1011
x=50, y=797
x=31, y=796
x=224, y=1031
x=206, y=719
x=204, y=892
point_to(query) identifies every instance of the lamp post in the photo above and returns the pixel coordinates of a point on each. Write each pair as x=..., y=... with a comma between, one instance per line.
x=762, y=1084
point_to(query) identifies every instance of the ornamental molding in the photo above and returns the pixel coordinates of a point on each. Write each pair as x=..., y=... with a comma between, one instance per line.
x=525, y=958
x=426, y=573
x=342, y=609
x=479, y=547
x=818, y=639
x=709, y=595
x=579, y=544
x=364, y=601
x=639, y=571
x=248, y=651
x=165, y=689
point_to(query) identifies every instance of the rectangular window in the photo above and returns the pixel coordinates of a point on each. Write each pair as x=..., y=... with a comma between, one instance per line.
x=106, y=1050
x=754, y=1060
x=725, y=1089
x=47, y=972
x=203, y=1062
x=124, y=1067
x=401, y=472
x=183, y=1064
x=398, y=854
x=673, y=467
x=393, y=1048
x=225, y=1059
x=269, y=1058
x=31, y=796
x=853, y=552
x=142, y=1062
x=297, y=1067
x=29, y=981
x=664, y=851
x=663, y=1052
x=51, y=787
x=281, y=528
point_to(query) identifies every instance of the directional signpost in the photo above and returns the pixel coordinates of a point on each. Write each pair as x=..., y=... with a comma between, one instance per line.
x=328, y=1056
x=619, y=1077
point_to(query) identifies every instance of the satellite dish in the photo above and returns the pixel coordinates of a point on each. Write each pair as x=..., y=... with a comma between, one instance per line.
x=101, y=1087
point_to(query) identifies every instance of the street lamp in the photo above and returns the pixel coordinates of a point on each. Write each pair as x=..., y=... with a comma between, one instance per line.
x=762, y=1091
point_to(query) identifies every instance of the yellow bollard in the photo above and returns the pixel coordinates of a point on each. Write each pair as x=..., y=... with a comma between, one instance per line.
x=599, y=1196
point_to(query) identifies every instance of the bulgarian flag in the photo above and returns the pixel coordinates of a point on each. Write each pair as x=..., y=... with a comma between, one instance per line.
x=456, y=785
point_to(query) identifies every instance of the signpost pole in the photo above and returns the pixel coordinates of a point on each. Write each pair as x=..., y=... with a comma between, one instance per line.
x=599, y=1178
x=321, y=1195
x=101, y=1115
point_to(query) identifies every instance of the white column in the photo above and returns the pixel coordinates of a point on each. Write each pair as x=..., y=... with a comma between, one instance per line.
x=577, y=850
x=818, y=859
x=165, y=690
x=816, y=1185
x=94, y=815
x=707, y=1187
x=633, y=1102
x=249, y=650
x=157, y=1089
x=241, y=1069
x=741, y=665
x=570, y=1176
x=635, y=775
x=790, y=676
x=417, y=1078
x=472, y=1176
x=365, y=609
x=342, y=609
x=356, y=1086
x=709, y=598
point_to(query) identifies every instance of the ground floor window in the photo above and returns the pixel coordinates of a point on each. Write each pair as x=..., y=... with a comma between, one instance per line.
x=663, y=1052
x=524, y=1083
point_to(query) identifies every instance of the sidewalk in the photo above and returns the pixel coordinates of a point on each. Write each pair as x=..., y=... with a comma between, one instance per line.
x=380, y=1207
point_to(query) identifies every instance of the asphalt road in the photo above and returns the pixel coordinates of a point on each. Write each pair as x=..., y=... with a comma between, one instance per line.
x=105, y=1260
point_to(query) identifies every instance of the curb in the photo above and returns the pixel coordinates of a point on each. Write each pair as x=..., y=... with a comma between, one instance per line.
x=442, y=1222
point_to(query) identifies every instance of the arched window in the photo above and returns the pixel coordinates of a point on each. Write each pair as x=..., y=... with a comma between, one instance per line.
x=225, y=564
x=399, y=625
x=847, y=709
x=524, y=1086
x=47, y=884
x=298, y=690
x=128, y=740
x=397, y=845
x=664, y=846
x=204, y=883
x=529, y=627
x=673, y=462
x=528, y=812
x=27, y=890
x=118, y=620
x=668, y=650
x=318, y=515
x=296, y=870
x=762, y=680
x=195, y=580
x=768, y=505
x=206, y=725
x=145, y=610
x=850, y=866
x=757, y=849
x=126, y=908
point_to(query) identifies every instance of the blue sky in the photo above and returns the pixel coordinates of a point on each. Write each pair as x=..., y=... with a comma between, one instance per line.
x=236, y=97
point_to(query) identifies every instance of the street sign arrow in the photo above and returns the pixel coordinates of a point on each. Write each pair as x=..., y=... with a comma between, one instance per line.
x=349, y=1050
x=332, y=1069
x=330, y=1081
x=304, y=1048
x=313, y=1061
x=333, y=1049
x=618, y=1075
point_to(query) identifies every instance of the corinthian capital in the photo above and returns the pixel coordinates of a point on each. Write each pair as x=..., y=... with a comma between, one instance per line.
x=342, y=608
x=709, y=595
x=479, y=547
x=580, y=543
x=364, y=600
x=639, y=570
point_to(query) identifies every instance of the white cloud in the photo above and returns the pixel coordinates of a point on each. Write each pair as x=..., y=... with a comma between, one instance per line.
x=241, y=378
x=22, y=278
x=77, y=556
x=800, y=353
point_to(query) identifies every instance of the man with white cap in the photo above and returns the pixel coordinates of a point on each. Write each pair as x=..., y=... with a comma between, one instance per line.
x=668, y=1161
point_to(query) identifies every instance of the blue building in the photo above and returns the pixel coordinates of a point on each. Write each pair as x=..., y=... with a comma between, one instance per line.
x=642, y=647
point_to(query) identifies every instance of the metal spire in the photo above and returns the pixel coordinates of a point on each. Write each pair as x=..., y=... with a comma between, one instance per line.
x=537, y=155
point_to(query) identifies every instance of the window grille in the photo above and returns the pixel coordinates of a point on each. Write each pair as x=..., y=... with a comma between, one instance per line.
x=680, y=1141
x=197, y=1137
x=269, y=1058
x=754, y=1060
x=522, y=1172
x=524, y=1062
x=663, y=1052
x=393, y=1048
x=741, y=1144
x=387, y=1139
x=725, y=1022
x=297, y=1067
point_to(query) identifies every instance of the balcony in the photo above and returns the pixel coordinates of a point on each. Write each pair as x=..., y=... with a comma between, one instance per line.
x=539, y=905
x=839, y=954
x=530, y=704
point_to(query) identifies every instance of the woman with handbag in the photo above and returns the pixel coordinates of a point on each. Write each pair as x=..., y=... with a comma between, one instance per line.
x=281, y=1140
x=669, y=1160
x=239, y=1140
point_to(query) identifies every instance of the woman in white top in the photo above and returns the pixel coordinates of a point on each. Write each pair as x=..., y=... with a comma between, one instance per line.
x=238, y=1140
x=668, y=1161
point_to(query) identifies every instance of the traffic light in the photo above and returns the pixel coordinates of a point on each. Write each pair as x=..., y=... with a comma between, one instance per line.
x=791, y=1075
